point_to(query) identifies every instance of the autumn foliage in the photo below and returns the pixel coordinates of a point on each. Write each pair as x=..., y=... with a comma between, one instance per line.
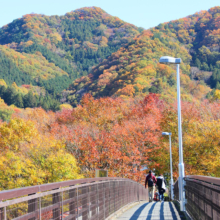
x=119, y=98
x=30, y=155
x=121, y=136
x=111, y=134
x=134, y=69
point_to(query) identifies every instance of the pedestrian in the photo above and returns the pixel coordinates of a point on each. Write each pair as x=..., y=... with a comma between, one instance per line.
x=161, y=184
x=150, y=181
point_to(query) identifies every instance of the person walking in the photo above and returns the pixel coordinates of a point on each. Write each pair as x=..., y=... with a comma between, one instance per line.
x=161, y=184
x=150, y=181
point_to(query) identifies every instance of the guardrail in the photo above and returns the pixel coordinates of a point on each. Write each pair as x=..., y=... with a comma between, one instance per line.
x=203, y=197
x=84, y=199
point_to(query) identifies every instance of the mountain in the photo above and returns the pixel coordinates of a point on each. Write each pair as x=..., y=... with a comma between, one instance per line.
x=59, y=49
x=90, y=51
x=134, y=69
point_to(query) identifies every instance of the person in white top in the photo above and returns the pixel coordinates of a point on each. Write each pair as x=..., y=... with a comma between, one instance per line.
x=161, y=184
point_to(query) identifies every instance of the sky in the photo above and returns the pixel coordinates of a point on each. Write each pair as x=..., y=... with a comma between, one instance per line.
x=142, y=13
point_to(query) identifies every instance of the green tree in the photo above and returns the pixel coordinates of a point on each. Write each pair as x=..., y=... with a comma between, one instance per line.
x=9, y=95
x=198, y=63
x=19, y=100
x=30, y=100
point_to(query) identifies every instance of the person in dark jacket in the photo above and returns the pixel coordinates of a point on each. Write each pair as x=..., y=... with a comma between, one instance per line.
x=150, y=181
x=161, y=184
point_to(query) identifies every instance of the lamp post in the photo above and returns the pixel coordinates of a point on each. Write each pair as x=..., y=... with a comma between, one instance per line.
x=171, y=166
x=177, y=61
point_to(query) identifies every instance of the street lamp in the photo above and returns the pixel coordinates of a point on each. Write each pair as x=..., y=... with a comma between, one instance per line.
x=177, y=61
x=171, y=167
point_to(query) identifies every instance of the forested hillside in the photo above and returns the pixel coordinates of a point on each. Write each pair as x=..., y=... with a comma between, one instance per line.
x=26, y=96
x=52, y=51
x=134, y=68
x=88, y=50
x=200, y=33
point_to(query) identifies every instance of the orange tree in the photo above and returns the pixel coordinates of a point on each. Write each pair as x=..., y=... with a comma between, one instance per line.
x=112, y=134
x=200, y=125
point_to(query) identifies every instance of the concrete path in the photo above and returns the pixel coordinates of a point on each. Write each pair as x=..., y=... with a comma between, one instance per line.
x=151, y=211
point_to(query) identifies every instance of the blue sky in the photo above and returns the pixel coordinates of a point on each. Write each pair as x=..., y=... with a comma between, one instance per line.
x=142, y=13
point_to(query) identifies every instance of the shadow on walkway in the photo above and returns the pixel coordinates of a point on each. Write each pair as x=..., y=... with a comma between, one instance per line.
x=151, y=211
x=172, y=211
x=136, y=215
x=148, y=211
x=162, y=211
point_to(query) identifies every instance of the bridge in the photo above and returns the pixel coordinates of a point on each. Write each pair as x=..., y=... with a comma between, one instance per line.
x=108, y=198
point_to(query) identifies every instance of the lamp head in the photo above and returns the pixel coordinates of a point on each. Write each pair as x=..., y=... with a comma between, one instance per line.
x=170, y=60
x=166, y=133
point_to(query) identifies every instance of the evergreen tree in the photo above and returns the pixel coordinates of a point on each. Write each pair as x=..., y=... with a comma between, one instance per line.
x=198, y=63
x=205, y=66
x=19, y=100
x=30, y=100
x=9, y=95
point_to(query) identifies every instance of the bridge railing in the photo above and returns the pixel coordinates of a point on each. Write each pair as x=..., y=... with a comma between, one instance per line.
x=203, y=197
x=84, y=199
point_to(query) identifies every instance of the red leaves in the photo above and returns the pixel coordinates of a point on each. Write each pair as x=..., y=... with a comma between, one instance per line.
x=65, y=117
x=111, y=133
x=124, y=135
x=26, y=86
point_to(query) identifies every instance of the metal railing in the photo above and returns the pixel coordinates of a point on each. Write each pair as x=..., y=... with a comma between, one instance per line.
x=82, y=199
x=203, y=197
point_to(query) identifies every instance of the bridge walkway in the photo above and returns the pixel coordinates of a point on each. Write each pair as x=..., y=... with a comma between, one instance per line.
x=151, y=211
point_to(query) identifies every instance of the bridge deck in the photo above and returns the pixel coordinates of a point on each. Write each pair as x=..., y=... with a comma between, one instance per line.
x=151, y=211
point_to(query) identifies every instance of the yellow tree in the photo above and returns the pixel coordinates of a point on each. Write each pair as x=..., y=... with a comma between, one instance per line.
x=29, y=157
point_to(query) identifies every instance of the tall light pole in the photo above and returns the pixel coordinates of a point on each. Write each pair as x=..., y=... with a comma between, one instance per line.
x=171, y=166
x=177, y=61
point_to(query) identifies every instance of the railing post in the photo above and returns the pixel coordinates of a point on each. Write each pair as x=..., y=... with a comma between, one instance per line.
x=89, y=199
x=93, y=201
x=124, y=192
x=129, y=192
x=72, y=205
x=32, y=206
x=84, y=203
x=56, y=211
x=77, y=202
x=39, y=208
x=114, y=195
x=117, y=195
x=62, y=205
x=110, y=197
x=5, y=213
x=104, y=198
x=1, y=213
x=97, y=200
